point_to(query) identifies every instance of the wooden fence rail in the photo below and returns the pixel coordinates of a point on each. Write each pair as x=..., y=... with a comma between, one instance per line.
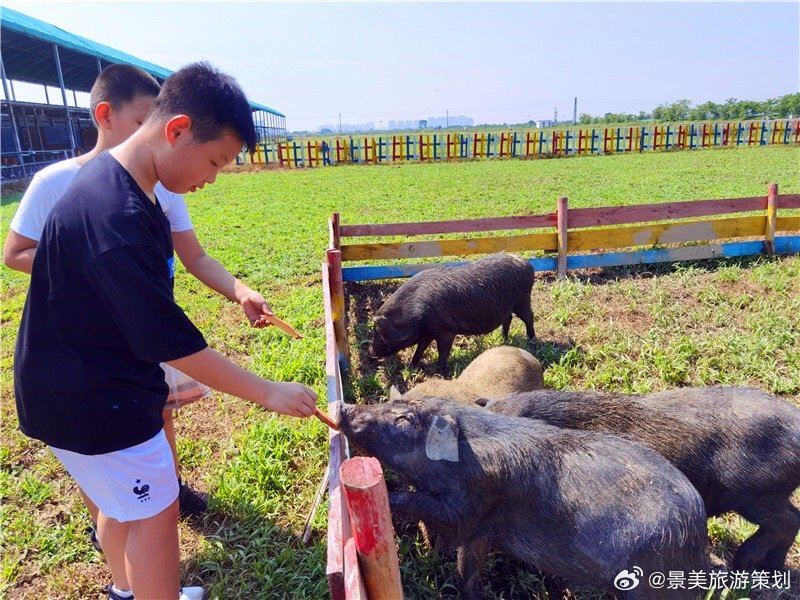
x=569, y=231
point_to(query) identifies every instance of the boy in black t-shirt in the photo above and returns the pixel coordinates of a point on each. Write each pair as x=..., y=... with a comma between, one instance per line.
x=100, y=317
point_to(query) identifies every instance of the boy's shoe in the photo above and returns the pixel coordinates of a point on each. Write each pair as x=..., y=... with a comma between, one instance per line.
x=192, y=593
x=187, y=593
x=190, y=502
x=92, y=533
x=113, y=595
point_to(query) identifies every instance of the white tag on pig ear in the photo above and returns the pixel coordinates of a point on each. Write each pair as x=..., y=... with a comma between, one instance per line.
x=394, y=393
x=442, y=441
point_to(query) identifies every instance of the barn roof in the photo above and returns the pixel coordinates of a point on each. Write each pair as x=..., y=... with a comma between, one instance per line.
x=27, y=49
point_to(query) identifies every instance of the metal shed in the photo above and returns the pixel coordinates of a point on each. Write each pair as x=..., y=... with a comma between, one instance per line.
x=35, y=134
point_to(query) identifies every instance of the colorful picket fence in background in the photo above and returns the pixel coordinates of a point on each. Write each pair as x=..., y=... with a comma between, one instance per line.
x=575, y=141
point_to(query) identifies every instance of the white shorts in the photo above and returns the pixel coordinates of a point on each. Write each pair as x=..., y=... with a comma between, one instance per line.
x=126, y=485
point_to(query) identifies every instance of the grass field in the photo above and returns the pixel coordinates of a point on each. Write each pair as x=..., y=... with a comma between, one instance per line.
x=732, y=322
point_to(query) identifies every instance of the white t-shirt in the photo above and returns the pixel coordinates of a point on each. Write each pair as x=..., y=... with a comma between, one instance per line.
x=49, y=184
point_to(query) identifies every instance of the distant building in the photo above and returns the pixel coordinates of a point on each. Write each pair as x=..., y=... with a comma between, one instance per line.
x=348, y=128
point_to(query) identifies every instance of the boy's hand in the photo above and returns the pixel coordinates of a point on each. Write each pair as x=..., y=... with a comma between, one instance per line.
x=255, y=307
x=288, y=398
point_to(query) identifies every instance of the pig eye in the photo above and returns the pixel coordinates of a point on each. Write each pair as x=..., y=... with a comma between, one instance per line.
x=406, y=420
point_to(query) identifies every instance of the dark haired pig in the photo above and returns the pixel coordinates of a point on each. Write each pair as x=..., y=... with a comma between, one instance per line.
x=579, y=505
x=739, y=447
x=440, y=303
x=495, y=372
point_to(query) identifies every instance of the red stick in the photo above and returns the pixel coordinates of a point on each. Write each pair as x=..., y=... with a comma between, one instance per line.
x=326, y=419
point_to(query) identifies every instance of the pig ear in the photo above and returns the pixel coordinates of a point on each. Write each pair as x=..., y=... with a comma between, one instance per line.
x=442, y=441
x=394, y=393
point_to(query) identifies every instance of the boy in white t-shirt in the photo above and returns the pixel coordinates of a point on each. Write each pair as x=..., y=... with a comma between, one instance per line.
x=121, y=99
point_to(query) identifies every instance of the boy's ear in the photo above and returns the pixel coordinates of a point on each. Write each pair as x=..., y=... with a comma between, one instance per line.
x=102, y=114
x=179, y=126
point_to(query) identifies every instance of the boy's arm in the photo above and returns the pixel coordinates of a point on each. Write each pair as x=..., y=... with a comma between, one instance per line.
x=18, y=252
x=28, y=222
x=211, y=368
x=214, y=275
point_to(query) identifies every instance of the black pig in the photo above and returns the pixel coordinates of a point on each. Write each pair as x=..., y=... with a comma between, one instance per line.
x=579, y=505
x=740, y=447
x=439, y=303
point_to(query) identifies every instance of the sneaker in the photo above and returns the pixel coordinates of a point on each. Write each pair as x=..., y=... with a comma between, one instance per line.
x=114, y=595
x=92, y=533
x=190, y=502
x=192, y=593
x=187, y=593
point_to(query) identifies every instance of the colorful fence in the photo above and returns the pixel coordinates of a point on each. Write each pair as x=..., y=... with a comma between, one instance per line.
x=571, y=239
x=581, y=238
x=428, y=147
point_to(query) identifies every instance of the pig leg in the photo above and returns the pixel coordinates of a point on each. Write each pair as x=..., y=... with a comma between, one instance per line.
x=556, y=586
x=507, y=326
x=471, y=557
x=422, y=345
x=778, y=522
x=444, y=343
x=775, y=558
x=525, y=312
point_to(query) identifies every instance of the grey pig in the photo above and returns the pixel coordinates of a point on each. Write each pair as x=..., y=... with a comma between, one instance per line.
x=739, y=447
x=442, y=302
x=579, y=505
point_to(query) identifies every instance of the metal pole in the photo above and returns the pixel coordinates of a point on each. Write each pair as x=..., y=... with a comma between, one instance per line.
x=46, y=95
x=64, y=98
x=99, y=66
x=13, y=93
x=11, y=111
x=27, y=129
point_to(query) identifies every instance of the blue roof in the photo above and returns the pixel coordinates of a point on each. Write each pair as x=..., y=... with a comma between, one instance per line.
x=28, y=55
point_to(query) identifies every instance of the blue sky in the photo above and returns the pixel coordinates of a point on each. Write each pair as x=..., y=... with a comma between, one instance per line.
x=494, y=62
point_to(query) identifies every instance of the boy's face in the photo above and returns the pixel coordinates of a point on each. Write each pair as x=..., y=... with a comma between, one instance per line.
x=188, y=165
x=125, y=120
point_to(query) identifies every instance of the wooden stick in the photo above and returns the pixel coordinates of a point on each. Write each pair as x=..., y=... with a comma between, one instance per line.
x=323, y=486
x=326, y=419
x=283, y=325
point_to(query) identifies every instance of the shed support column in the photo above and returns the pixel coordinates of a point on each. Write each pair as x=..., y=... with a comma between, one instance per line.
x=64, y=99
x=11, y=111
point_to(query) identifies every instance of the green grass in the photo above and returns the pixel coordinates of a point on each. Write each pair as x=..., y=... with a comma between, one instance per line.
x=734, y=322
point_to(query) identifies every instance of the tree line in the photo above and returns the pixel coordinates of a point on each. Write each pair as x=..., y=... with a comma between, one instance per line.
x=784, y=107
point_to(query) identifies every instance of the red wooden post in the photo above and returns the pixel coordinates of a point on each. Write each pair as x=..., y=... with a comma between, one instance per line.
x=561, y=217
x=772, y=217
x=334, y=234
x=337, y=301
x=368, y=505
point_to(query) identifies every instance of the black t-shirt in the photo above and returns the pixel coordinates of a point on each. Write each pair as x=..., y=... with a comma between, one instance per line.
x=99, y=318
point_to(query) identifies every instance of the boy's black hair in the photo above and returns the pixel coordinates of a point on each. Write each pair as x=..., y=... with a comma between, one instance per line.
x=120, y=84
x=211, y=99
